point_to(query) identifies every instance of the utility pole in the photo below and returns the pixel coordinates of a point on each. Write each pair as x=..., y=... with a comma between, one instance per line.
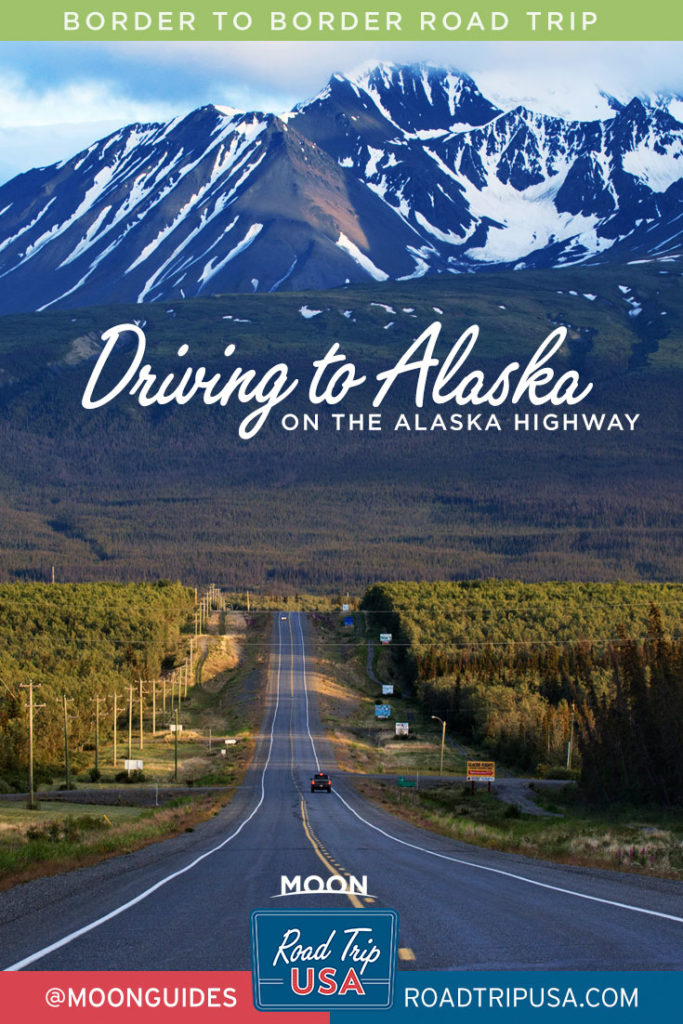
x=175, y=771
x=248, y=602
x=142, y=733
x=443, y=738
x=154, y=707
x=130, y=721
x=31, y=805
x=66, y=700
x=163, y=695
x=571, y=738
x=115, y=724
x=97, y=732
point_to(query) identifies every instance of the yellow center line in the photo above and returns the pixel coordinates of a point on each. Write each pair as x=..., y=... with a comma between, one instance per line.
x=319, y=854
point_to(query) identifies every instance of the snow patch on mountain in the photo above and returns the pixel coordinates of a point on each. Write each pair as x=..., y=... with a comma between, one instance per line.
x=656, y=169
x=361, y=259
x=213, y=266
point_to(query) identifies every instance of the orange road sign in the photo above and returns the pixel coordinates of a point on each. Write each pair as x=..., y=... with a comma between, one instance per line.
x=483, y=770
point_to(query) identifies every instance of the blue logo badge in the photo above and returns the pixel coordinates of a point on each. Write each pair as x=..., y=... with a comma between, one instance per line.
x=323, y=959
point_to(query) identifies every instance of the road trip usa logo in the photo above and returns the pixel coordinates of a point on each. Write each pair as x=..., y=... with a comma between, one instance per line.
x=323, y=959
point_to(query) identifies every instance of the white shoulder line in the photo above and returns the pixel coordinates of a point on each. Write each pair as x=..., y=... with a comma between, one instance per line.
x=509, y=874
x=169, y=878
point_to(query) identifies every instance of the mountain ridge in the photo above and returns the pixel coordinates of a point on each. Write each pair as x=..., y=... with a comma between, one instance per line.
x=392, y=173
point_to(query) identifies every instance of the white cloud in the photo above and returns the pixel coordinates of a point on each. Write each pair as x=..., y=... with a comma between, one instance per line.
x=40, y=126
x=26, y=104
x=570, y=74
x=41, y=123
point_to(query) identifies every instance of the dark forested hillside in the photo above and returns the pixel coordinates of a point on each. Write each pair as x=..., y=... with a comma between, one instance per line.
x=126, y=492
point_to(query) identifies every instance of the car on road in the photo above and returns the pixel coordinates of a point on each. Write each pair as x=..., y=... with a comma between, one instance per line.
x=321, y=780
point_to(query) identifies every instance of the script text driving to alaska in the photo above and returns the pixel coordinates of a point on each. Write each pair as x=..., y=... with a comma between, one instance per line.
x=334, y=376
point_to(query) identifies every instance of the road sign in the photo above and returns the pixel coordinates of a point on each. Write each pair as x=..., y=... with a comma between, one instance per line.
x=385, y=638
x=345, y=607
x=173, y=728
x=132, y=766
x=230, y=743
x=348, y=620
x=406, y=783
x=402, y=728
x=382, y=711
x=387, y=689
x=483, y=771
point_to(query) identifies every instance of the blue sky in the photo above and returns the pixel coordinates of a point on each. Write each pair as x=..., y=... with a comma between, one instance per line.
x=58, y=97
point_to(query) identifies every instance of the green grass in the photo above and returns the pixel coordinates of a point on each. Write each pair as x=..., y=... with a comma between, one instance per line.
x=60, y=841
x=16, y=816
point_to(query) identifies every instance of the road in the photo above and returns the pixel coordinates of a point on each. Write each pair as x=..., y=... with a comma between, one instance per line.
x=185, y=903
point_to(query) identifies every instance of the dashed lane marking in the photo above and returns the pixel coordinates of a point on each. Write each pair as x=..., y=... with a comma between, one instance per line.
x=320, y=855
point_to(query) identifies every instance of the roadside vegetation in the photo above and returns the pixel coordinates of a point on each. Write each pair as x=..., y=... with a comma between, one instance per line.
x=646, y=841
x=522, y=669
x=62, y=836
x=347, y=698
x=81, y=646
x=109, y=809
x=621, y=830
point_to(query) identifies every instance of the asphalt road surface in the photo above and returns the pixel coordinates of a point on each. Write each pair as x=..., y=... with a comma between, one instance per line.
x=184, y=904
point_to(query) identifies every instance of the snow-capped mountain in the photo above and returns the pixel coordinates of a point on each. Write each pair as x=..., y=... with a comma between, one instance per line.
x=394, y=172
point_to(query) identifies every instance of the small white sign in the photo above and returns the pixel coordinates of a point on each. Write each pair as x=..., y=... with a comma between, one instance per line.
x=172, y=727
x=385, y=638
x=345, y=607
x=132, y=766
x=387, y=689
x=402, y=728
x=230, y=743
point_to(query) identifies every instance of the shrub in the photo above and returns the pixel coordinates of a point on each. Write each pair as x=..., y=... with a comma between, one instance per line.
x=127, y=777
x=556, y=771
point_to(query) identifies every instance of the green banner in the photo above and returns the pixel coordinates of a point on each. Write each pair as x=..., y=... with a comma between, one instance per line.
x=596, y=20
